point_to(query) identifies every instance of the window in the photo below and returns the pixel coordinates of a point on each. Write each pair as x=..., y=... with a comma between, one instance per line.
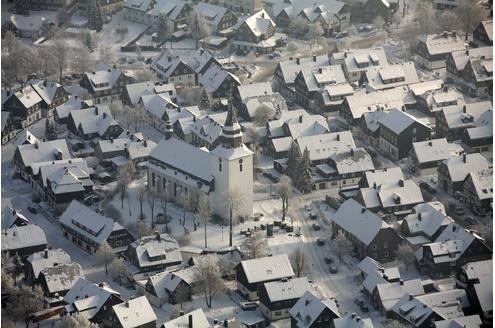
x=240, y=165
x=385, y=245
x=386, y=253
x=374, y=247
x=164, y=184
x=152, y=179
x=220, y=164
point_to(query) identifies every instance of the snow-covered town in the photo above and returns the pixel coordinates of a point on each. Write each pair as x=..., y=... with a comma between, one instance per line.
x=247, y=163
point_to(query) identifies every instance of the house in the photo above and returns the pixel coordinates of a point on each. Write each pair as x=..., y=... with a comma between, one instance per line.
x=43, y=170
x=57, y=280
x=369, y=126
x=241, y=6
x=201, y=60
x=94, y=122
x=36, y=151
x=382, y=176
x=375, y=273
x=470, y=321
x=137, y=11
x=13, y=218
x=24, y=107
x=311, y=312
x=425, y=223
x=452, y=249
x=361, y=102
x=25, y=26
x=397, y=198
x=52, y=95
x=351, y=320
x=256, y=34
x=177, y=13
x=452, y=121
x=108, y=7
x=216, y=18
x=378, y=240
x=428, y=154
x=446, y=4
x=252, y=274
x=179, y=168
x=196, y=319
x=248, y=319
x=160, y=109
x=134, y=313
x=23, y=241
x=453, y=172
x=321, y=147
x=88, y=229
x=432, y=101
x=296, y=124
x=475, y=278
x=174, y=70
x=248, y=98
x=421, y=311
x=105, y=85
x=287, y=70
x=131, y=147
x=36, y=262
x=49, y=5
x=390, y=76
x=422, y=88
x=372, y=9
x=355, y=62
x=478, y=191
x=172, y=287
x=398, y=131
x=61, y=112
x=472, y=70
x=385, y=296
x=433, y=49
x=218, y=82
x=134, y=91
x=278, y=297
x=9, y=129
x=90, y=300
x=483, y=34
x=153, y=253
x=480, y=137
x=331, y=14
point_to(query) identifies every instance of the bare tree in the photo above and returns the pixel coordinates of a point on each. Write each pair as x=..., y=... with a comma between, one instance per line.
x=62, y=54
x=27, y=300
x=184, y=203
x=117, y=109
x=117, y=269
x=263, y=114
x=82, y=61
x=470, y=14
x=342, y=245
x=298, y=261
x=406, y=253
x=292, y=46
x=106, y=54
x=104, y=255
x=151, y=198
x=426, y=17
x=76, y=320
x=185, y=239
x=315, y=31
x=209, y=277
x=125, y=174
x=299, y=25
x=144, y=74
x=112, y=213
x=192, y=205
x=233, y=200
x=378, y=22
x=141, y=195
x=10, y=41
x=204, y=212
x=447, y=21
x=284, y=191
x=139, y=229
x=255, y=246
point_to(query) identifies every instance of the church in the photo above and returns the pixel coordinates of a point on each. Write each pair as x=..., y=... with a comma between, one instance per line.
x=178, y=167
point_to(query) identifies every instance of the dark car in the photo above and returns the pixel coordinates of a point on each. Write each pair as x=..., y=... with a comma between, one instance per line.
x=359, y=302
x=32, y=210
x=249, y=306
x=316, y=226
x=328, y=260
x=364, y=308
x=333, y=202
x=469, y=220
x=320, y=241
x=333, y=269
x=457, y=209
x=425, y=186
x=313, y=216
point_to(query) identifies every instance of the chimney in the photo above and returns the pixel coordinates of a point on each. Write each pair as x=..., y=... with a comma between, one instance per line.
x=345, y=54
x=169, y=59
x=190, y=321
x=181, y=313
x=298, y=61
x=44, y=83
x=320, y=70
x=464, y=157
x=353, y=315
x=36, y=145
x=385, y=277
x=13, y=233
x=352, y=152
x=338, y=137
x=101, y=284
x=401, y=282
x=46, y=253
x=300, y=118
x=109, y=70
x=111, y=139
x=374, y=185
x=127, y=303
x=145, y=143
x=314, y=58
x=357, y=319
x=467, y=52
x=201, y=51
x=104, y=115
x=96, y=110
x=157, y=234
x=401, y=183
x=410, y=297
x=430, y=143
x=419, y=217
x=464, y=108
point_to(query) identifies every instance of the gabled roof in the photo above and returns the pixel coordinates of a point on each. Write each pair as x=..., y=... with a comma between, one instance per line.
x=170, y=8
x=139, y=5
x=212, y=13
x=290, y=68
x=366, y=58
x=74, y=103
x=136, y=90
x=259, y=23
x=134, y=313
x=198, y=318
x=435, y=150
x=279, y=291
x=308, y=308
x=471, y=321
x=84, y=288
x=352, y=320
x=47, y=258
x=443, y=43
x=464, y=115
x=214, y=76
x=392, y=194
x=478, y=269
x=358, y=221
x=483, y=183
x=27, y=96
x=157, y=104
x=267, y=268
x=199, y=59
x=10, y=216
x=397, y=121
x=62, y=277
x=322, y=146
x=421, y=88
x=385, y=175
x=488, y=26
x=295, y=7
x=103, y=79
x=43, y=151
x=46, y=90
x=153, y=250
x=352, y=161
x=459, y=167
x=27, y=23
x=17, y=238
x=426, y=220
x=462, y=57
x=254, y=89
x=391, y=293
x=398, y=74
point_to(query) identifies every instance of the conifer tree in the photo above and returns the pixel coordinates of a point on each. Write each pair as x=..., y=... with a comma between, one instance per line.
x=95, y=19
x=293, y=158
x=305, y=181
x=21, y=7
x=205, y=102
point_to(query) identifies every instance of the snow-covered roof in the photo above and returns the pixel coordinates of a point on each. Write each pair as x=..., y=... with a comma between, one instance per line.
x=352, y=161
x=74, y=103
x=322, y=146
x=308, y=308
x=69, y=179
x=198, y=318
x=10, y=216
x=343, y=89
x=201, y=57
x=279, y=291
x=133, y=313
x=376, y=273
x=397, y=121
x=231, y=153
x=157, y=104
x=358, y=221
x=183, y=156
x=84, y=288
x=31, y=23
x=352, y=320
x=274, y=101
x=389, y=76
x=488, y=26
x=267, y=268
x=426, y=220
x=478, y=269
x=47, y=258
x=421, y=88
x=443, y=43
x=154, y=250
x=259, y=23
x=435, y=150
x=385, y=175
x=483, y=183
x=43, y=151
x=214, y=76
x=46, y=90
x=324, y=75
x=136, y=90
x=391, y=293
x=103, y=79
x=254, y=89
x=139, y=5
x=213, y=14
x=27, y=96
x=357, y=60
x=459, y=167
x=325, y=7
x=393, y=194
x=464, y=115
x=87, y=222
x=290, y=68
x=171, y=8
x=470, y=321
x=62, y=277
x=17, y=238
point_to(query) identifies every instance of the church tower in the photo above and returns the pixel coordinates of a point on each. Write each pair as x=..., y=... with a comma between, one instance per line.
x=232, y=167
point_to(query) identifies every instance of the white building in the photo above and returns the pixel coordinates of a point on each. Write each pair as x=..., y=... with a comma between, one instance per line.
x=228, y=168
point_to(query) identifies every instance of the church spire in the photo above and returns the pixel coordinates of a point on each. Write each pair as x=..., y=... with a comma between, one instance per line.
x=231, y=131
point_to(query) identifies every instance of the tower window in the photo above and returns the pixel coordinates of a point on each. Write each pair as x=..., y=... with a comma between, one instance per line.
x=164, y=184
x=240, y=165
x=152, y=179
x=220, y=164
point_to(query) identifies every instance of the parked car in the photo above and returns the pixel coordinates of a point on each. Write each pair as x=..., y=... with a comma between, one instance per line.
x=316, y=227
x=320, y=241
x=359, y=302
x=368, y=28
x=333, y=201
x=271, y=177
x=425, y=186
x=469, y=220
x=333, y=269
x=365, y=308
x=249, y=306
x=457, y=209
x=32, y=210
x=298, y=233
x=313, y=216
x=328, y=260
